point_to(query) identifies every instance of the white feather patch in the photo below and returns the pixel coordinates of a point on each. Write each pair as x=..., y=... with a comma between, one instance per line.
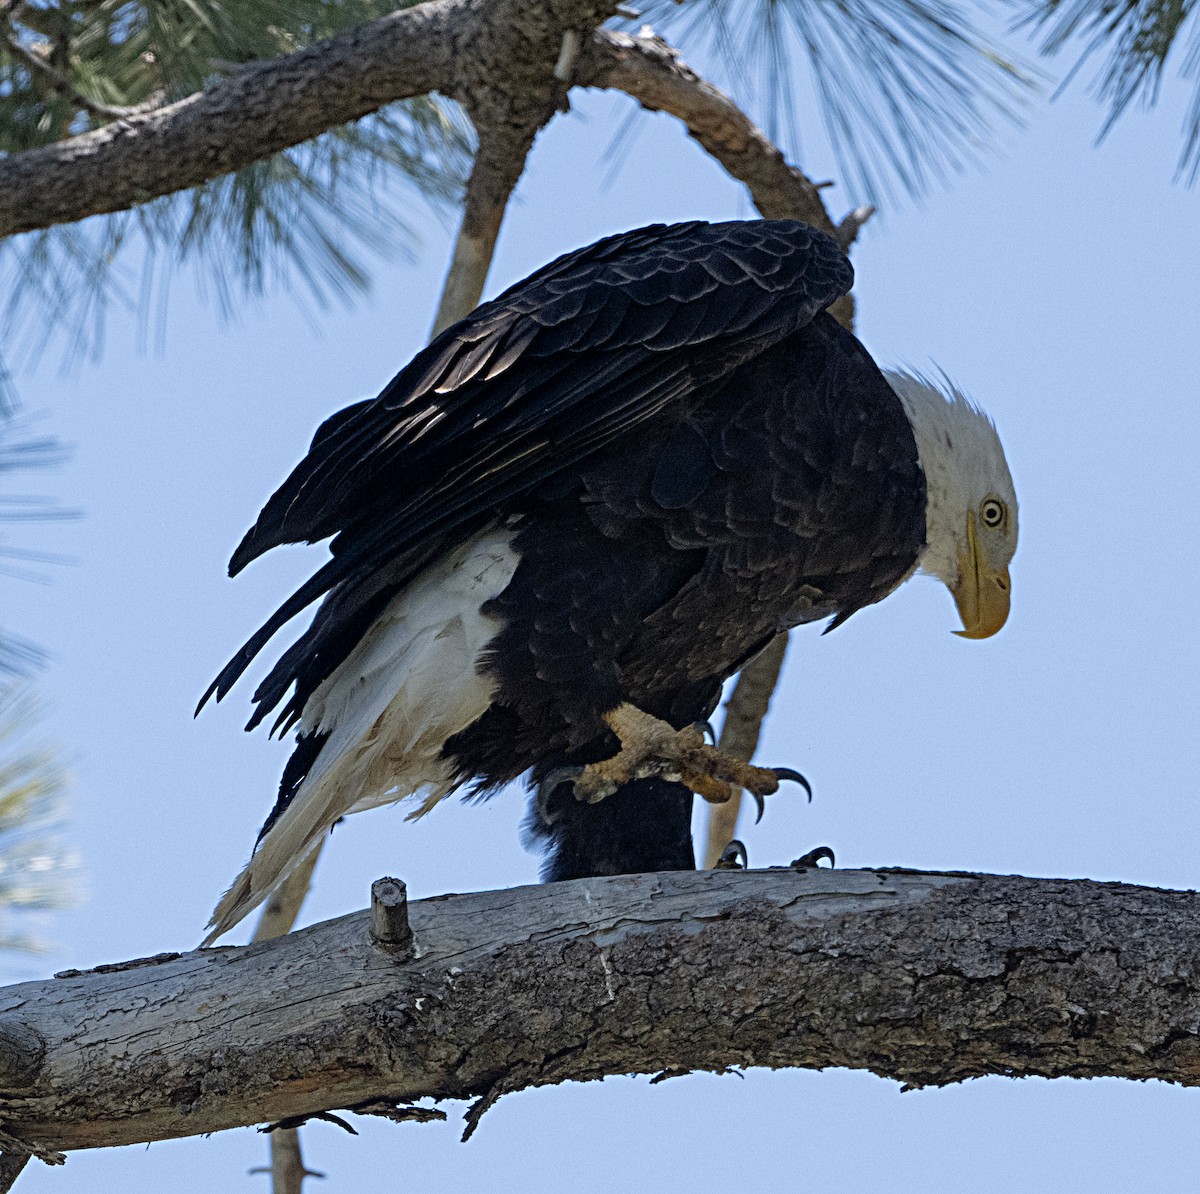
x=963, y=462
x=412, y=682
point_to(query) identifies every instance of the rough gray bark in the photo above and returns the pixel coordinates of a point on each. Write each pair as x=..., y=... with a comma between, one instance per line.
x=11, y=1165
x=505, y=60
x=925, y=978
x=444, y=45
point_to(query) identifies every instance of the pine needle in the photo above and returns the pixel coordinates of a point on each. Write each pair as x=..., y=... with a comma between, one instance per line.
x=37, y=871
x=909, y=90
x=1135, y=38
x=311, y=221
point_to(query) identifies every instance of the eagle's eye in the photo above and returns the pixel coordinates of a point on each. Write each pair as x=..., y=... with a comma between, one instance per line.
x=992, y=513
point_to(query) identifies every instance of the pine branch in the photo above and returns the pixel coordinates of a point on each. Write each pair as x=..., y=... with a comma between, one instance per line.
x=504, y=145
x=67, y=89
x=925, y=978
x=655, y=75
x=11, y=1165
x=279, y=914
x=1137, y=40
x=909, y=91
x=745, y=712
x=451, y=46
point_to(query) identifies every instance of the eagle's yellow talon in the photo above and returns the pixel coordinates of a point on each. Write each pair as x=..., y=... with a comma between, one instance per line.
x=653, y=747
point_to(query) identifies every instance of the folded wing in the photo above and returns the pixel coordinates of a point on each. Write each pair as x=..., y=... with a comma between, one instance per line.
x=557, y=368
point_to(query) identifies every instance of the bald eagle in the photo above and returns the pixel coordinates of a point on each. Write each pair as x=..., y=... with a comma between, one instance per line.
x=572, y=516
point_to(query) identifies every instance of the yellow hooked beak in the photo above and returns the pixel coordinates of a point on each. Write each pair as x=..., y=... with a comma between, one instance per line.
x=982, y=592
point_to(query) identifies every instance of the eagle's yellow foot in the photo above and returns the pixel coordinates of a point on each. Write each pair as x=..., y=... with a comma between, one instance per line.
x=652, y=747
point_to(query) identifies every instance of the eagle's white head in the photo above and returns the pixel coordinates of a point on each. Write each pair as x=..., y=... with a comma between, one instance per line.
x=971, y=511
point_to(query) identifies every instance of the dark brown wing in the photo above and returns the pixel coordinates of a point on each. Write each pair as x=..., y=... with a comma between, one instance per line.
x=559, y=366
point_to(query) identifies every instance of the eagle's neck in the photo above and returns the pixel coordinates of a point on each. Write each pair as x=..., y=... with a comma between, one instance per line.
x=956, y=443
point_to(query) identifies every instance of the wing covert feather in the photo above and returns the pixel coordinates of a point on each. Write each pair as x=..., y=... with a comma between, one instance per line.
x=556, y=368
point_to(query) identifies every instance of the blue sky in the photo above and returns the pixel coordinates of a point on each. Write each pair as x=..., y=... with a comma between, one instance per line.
x=1058, y=284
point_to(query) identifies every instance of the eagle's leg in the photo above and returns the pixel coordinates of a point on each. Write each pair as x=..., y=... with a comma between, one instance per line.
x=651, y=746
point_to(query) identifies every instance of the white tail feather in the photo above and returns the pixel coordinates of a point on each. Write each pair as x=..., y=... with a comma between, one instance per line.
x=412, y=682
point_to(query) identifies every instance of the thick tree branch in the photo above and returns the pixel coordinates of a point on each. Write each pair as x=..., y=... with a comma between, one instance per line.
x=444, y=45
x=508, y=48
x=925, y=978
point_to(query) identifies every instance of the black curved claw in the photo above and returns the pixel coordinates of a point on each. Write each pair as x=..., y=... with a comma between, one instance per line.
x=812, y=858
x=786, y=773
x=706, y=728
x=560, y=775
x=733, y=857
x=546, y=788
